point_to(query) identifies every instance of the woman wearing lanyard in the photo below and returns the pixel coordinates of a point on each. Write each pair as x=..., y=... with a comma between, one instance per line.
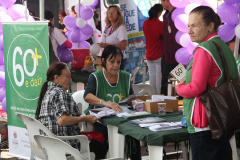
x=115, y=32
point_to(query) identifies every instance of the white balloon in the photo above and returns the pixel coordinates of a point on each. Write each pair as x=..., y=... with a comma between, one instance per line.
x=87, y=2
x=94, y=49
x=80, y=22
x=237, y=30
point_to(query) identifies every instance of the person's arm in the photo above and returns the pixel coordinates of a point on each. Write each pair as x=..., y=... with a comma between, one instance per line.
x=68, y=44
x=89, y=95
x=66, y=120
x=122, y=45
x=202, y=64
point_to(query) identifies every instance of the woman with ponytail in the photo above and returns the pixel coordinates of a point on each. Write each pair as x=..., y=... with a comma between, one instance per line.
x=56, y=108
x=153, y=31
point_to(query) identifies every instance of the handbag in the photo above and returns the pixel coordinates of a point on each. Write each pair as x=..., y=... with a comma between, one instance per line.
x=222, y=103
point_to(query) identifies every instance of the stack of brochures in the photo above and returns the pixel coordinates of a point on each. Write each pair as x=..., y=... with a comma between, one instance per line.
x=165, y=126
x=147, y=120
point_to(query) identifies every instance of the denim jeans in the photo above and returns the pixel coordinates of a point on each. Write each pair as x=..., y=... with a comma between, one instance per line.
x=205, y=148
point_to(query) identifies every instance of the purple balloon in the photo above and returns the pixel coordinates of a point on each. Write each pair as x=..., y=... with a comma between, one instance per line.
x=4, y=17
x=191, y=46
x=2, y=68
x=181, y=22
x=226, y=32
x=7, y=3
x=238, y=8
x=177, y=12
x=179, y=3
x=2, y=78
x=75, y=35
x=87, y=14
x=2, y=93
x=68, y=34
x=178, y=36
x=210, y=3
x=17, y=11
x=64, y=54
x=1, y=58
x=85, y=37
x=81, y=8
x=70, y=22
x=84, y=45
x=231, y=1
x=94, y=3
x=183, y=56
x=4, y=104
x=87, y=29
x=228, y=13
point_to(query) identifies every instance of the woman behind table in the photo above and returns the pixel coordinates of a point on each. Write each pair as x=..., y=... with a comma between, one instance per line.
x=109, y=86
x=153, y=31
x=115, y=32
x=56, y=108
x=61, y=27
x=57, y=38
x=205, y=68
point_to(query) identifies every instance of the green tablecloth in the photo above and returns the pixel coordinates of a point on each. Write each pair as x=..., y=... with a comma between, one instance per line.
x=144, y=134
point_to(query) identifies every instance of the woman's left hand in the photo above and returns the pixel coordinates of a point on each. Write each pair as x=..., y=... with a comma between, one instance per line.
x=112, y=105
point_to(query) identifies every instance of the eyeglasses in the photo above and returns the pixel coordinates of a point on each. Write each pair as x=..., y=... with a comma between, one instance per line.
x=113, y=12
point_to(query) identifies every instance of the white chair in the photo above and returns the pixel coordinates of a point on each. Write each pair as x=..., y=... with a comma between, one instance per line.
x=133, y=75
x=54, y=148
x=148, y=89
x=78, y=98
x=34, y=127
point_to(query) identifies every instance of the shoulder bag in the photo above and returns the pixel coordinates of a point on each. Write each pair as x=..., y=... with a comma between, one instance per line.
x=222, y=103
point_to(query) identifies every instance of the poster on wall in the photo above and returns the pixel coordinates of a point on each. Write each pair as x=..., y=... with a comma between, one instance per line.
x=26, y=52
x=135, y=12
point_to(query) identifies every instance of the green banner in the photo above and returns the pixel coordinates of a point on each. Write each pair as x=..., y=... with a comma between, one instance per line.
x=26, y=50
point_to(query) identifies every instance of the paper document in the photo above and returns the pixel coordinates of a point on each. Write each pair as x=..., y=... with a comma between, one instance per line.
x=147, y=120
x=131, y=96
x=179, y=72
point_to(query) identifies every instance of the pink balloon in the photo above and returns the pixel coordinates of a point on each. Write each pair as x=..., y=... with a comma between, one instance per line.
x=228, y=13
x=75, y=35
x=179, y=3
x=210, y=3
x=2, y=10
x=4, y=115
x=70, y=22
x=7, y=3
x=183, y=56
x=87, y=14
x=226, y=32
x=191, y=46
x=177, y=12
x=181, y=22
x=87, y=30
x=1, y=42
x=2, y=93
x=178, y=36
x=84, y=45
x=17, y=11
x=6, y=18
x=4, y=104
x=85, y=37
x=185, y=39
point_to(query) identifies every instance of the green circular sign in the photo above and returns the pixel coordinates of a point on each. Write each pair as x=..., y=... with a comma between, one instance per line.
x=25, y=64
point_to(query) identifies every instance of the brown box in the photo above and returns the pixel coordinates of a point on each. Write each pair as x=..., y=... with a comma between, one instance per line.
x=152, y=107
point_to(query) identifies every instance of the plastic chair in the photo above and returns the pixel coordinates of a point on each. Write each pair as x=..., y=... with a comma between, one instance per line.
x=133, y=74
x=34, y=127
x=82, y=104
x=54, y=148
x=148, y=89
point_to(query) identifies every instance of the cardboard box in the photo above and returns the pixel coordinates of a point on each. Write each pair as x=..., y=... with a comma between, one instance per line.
x=152, y=107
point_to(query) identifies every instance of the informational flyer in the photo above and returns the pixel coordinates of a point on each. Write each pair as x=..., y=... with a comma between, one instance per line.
x=26, y=50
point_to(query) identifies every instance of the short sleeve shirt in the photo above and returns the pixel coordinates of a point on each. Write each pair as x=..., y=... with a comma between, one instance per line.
x=57, y=101
x=116, y=37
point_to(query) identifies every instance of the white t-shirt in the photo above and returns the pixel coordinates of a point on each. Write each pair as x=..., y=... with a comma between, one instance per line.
x=116, y=37
x=57, y=38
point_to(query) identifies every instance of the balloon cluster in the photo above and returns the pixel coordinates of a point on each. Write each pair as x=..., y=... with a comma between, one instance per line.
x=180, y=18
x=79, y=29
x=8, y=12
x=228, y=12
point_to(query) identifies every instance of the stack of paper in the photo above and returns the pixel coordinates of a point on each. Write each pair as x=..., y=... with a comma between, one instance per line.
x=153, y=120
x=165, y=126
x=103, y=113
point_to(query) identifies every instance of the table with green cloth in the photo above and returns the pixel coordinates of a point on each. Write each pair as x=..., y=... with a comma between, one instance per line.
x=118, y=128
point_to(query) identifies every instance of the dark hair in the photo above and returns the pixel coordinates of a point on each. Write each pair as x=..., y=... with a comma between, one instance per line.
x=153, y=12
x=208, y=16
x=62, y=12
x=49, y=15
x=73, y=9
x=110, y=51
x=56, y=68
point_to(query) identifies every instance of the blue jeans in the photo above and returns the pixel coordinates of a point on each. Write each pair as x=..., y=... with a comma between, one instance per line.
x=205, y=148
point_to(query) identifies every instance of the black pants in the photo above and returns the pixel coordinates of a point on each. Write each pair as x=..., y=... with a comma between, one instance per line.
x=166, y=68
x=101, y=152
x=205, y=148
